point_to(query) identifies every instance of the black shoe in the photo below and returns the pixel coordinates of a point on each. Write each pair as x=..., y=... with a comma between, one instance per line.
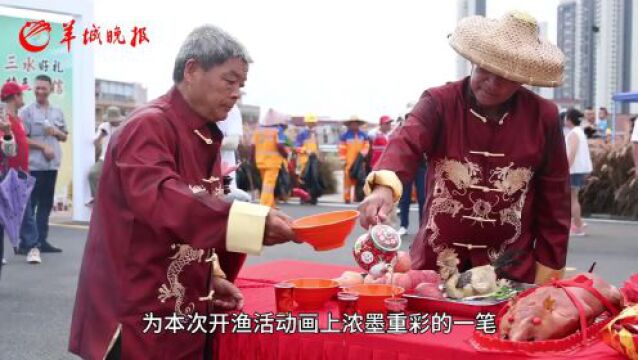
x=48, y=248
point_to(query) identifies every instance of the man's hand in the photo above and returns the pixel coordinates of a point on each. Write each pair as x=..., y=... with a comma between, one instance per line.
x=5, y=126
x=50, y=130
x=278, y=228
x=227, y=296
x=376, y=207
x=48, y=152
x=227, y=168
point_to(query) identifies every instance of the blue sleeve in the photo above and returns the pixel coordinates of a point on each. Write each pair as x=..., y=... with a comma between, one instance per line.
x=301, y=138
x=364, y=135
x=344, y=136
x=281, y=136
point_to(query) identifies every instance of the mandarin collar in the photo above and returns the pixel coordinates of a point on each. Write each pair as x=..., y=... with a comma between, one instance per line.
x=192, y=119
x=472, y=104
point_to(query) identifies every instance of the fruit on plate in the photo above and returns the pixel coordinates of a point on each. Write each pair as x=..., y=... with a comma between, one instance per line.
x=402, y=280
x=350, y=278
x=403, y=262
x=548, y=312
x=423, y=276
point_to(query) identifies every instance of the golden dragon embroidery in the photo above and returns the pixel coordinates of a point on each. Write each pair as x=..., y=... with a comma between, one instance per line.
x=464, y=175
x=183, y=257
x=510, y=180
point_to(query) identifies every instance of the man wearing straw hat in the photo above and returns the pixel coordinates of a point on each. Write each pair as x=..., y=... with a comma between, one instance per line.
x=498, y=178
x=110, y=121
x=352, y=143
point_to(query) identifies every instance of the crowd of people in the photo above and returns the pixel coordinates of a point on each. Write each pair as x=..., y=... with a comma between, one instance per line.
x=285, y=167
x=31, y=145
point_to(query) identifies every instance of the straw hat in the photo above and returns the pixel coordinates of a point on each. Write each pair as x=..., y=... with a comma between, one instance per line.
x=273, y=117
x=510, y=47
x=354, y=118
x=113, y=114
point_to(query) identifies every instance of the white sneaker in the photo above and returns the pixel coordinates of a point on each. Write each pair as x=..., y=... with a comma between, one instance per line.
x=402, y=231
x=4, y=261
x=33, y=257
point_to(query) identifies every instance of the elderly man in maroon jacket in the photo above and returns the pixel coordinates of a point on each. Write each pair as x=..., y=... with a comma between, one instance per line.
x=497, y=178
x=162, y=240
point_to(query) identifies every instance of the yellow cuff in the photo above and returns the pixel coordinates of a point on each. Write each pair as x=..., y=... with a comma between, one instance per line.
x=545, y=274
x=246, y=226
x=386, y=178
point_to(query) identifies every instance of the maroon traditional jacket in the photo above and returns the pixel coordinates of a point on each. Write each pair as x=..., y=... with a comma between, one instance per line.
x=152, y=228
x=492, y=186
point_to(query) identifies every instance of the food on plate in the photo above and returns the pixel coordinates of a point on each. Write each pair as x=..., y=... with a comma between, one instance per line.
x=408, y=281
x=423, y=276
x=349, y=278
x=402, y=280
x=429, y=290
x=479, y=280
x=504, y=292
x=548, y=312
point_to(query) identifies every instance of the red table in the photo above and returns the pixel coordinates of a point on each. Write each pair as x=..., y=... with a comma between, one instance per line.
x=255, y=283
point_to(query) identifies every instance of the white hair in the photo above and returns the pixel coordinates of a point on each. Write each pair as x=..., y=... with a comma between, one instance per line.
x=209, y=46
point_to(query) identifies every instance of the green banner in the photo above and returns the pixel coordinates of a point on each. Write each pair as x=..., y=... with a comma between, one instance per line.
x=55, y=60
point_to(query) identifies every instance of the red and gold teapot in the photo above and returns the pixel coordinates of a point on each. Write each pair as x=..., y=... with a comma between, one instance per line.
x=377, y=248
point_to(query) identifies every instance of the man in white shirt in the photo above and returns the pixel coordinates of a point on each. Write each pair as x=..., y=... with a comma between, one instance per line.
x=111, y=120
x=232, y=128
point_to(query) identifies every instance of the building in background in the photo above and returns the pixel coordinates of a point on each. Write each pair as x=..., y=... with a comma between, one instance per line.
x=126, y=96
x=467, y=8
x=585, y=64
x=596, y=37
x=566, y=41
x=613, y=20
x=575, y=37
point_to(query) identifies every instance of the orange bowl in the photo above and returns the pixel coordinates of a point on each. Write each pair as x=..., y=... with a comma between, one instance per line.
x=371, y=296
x=312, y=294
x=325, y=231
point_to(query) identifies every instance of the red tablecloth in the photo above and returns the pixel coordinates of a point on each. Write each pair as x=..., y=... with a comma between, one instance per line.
x=255, y=284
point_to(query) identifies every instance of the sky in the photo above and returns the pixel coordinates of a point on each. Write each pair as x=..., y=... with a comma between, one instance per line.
x=334, y=58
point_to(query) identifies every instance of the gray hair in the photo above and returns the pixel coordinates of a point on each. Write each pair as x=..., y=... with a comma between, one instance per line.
x=209, y=46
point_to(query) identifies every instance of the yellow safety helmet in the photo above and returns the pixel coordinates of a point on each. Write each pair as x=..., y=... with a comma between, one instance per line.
x=310, y=119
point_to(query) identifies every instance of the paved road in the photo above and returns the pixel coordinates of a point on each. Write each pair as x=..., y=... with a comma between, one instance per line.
x=36, y=301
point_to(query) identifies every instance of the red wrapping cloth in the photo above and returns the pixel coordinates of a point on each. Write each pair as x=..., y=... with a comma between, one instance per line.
x=255, y=282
